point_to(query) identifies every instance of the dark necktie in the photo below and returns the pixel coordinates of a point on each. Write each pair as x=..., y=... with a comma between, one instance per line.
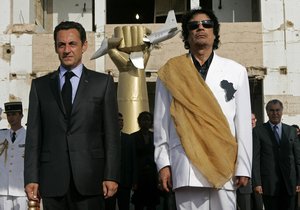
x=276, y=133
x=66, y=92
x=13, y=138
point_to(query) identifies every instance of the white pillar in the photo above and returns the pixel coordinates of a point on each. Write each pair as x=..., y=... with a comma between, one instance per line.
x=100, y=21
x=5, y=11
x=195, y=3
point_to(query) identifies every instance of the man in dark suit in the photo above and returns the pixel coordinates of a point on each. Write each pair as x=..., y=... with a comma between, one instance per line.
x=72, y=154
x=244, y=192
x=128, y=173
x=276, y=160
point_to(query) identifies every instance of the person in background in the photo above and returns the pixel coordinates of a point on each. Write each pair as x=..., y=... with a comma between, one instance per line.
x=12, y=147
x=297, y=129
x=297, y=194
x=128, y=173
x=244, y=193
x=256, y=199
x=276, y=160
x=145, y=192
x=72, y=153
x=202, y=120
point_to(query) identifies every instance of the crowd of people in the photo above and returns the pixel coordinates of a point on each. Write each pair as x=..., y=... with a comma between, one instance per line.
x=199, y=151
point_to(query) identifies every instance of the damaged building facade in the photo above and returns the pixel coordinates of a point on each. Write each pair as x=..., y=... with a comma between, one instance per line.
x=263, y=35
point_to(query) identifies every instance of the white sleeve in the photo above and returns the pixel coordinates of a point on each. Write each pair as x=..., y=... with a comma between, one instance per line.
x=162, y=120
x=242, y=121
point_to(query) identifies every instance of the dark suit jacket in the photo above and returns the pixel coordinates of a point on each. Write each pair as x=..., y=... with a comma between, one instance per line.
x=128, y=173
x=85, y=148
x=272, y=160
x=144, y=153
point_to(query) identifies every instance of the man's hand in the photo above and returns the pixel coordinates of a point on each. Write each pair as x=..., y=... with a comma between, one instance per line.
x=165, y=178
x=32, y=192
x=132, y=41
x=298, y=188
x=258, y=190
x=241, y=181
x=109, y=188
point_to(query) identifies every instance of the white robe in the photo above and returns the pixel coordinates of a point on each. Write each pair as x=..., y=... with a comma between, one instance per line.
x=168, y=148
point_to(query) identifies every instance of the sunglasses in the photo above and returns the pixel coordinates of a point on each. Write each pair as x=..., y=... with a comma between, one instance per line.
x=195, y=24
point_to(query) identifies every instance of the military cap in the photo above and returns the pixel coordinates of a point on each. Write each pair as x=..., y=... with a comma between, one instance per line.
x=15, y=106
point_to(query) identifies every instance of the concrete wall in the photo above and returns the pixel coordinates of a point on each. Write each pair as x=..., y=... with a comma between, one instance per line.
x=77, y=10
x=29, y=55
x=239, y=41
x=269, y=49
x=281, y=53
x=233, y=10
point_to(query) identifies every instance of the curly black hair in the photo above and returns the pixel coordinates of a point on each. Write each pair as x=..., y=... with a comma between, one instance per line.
x=189, y=15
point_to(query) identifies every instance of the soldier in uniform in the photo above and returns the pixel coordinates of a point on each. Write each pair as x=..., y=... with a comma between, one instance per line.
x=12, y=147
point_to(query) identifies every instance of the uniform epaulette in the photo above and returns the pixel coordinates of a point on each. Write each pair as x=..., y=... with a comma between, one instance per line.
x=3, y=129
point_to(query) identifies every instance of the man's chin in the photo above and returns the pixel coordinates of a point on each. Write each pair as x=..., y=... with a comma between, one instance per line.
x=67, y=66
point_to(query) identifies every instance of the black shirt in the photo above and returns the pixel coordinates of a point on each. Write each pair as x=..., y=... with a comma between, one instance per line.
x=204, y=68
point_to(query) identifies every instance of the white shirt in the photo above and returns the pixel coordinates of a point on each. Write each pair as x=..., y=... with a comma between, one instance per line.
x=12, y=169
x=74, y=80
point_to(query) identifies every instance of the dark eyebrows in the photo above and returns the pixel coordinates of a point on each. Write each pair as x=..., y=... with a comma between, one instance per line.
x=64, y=43
x=275, y=110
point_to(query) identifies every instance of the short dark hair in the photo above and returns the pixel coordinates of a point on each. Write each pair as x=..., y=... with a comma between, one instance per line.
x=66, y=25
x=273, y=101
x=189, y=15
x=145, y=114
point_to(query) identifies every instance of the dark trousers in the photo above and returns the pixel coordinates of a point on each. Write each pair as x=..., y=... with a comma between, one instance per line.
x=169, y=202
x=110, y=203
x=282, y=202
x=73, y=201
x=257, y=202
x=122, y=197
x=142, y=207
x=243, y=201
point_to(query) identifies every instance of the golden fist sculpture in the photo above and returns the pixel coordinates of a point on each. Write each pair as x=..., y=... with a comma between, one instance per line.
x=129, y=49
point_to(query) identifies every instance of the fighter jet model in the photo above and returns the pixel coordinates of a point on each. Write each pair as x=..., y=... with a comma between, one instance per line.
x=168, y=30
x=106, y=44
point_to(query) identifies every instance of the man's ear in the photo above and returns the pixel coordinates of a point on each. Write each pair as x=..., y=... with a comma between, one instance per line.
x=84, y=46
x=55, y=47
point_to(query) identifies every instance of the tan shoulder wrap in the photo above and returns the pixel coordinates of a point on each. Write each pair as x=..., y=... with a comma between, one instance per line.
x=200, y=123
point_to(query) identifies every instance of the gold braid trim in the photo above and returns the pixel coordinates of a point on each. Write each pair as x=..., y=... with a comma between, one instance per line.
x=3, y=149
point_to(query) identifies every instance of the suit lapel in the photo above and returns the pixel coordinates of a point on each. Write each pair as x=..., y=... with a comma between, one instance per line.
x=55, y=88
x=81, y=90
x=270, y=132
x=285, y=133
x=215, y=72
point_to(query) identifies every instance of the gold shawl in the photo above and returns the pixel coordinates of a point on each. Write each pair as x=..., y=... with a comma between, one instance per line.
x=200, y=123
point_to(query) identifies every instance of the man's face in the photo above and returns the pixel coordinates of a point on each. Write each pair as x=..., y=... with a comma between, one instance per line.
x=69, y=48
x=145, y=122
x=14, y=118
x=253, y=120
x=274, y=113
x=201, y=37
